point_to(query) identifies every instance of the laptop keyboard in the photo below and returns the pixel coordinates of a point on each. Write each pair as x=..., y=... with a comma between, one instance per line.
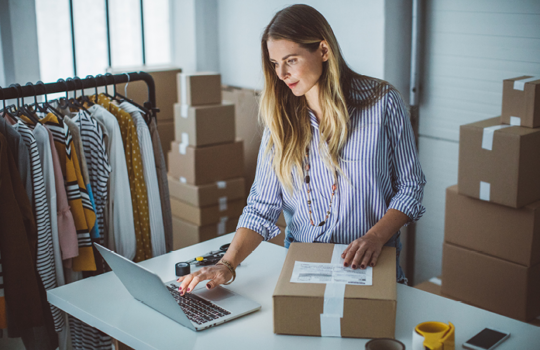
x=196, y=308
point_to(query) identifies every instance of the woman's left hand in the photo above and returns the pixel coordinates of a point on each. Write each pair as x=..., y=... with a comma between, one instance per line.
x=363, y=252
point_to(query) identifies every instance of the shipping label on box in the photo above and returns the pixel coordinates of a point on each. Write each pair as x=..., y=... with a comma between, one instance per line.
x=497, y=230
x=204, y=125
x=499, y=163
x=521, y=101
x=491, y=283
x=201, y=88
x=335, y=309
x=204, y=165
x=205, y=195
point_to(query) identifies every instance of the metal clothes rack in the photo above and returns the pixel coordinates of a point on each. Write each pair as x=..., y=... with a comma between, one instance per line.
x=87, y=83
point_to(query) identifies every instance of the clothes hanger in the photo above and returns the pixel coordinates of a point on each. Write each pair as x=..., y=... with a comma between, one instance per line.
x=21, y=109
x=46, y=104
x=124, y=98
x=35, y=106
x=114, y=87
x=4, y=110
x=83, y=97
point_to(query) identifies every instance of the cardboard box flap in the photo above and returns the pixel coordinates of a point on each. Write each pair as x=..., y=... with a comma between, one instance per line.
x=513, y=130
x=537, y=81
x=383, y=288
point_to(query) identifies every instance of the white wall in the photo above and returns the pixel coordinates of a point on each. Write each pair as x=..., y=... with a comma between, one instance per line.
x=358, y=26
x=471, y=46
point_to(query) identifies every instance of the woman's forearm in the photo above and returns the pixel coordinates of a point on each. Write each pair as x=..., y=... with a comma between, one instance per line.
x=389, y=224
x=243, y=243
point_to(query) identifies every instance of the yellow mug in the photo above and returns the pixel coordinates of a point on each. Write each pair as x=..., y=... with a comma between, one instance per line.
x=434, y=336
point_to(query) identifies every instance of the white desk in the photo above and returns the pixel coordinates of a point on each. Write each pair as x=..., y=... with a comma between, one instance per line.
x=104, y=303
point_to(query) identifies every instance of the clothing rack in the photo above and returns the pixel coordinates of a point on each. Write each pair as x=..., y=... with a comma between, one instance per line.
x=31, y=90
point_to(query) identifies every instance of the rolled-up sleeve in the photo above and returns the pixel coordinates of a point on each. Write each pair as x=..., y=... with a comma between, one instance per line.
x=408, y=180
x=265, y=201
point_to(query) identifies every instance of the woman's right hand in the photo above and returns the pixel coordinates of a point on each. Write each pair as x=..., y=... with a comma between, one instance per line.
x=217, y=274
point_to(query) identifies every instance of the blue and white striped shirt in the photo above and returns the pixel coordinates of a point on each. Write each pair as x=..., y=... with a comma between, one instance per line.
x=379, y=158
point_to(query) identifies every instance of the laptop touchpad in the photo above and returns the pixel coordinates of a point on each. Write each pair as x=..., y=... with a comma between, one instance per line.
x=216, y=294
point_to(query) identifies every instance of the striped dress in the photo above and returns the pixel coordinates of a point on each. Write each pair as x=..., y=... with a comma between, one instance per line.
x=45, y=255
x=97, y=162
x=78, y=198
x=383, y=172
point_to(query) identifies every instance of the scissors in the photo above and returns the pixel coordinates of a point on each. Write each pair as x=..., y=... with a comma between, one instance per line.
x=210, y=258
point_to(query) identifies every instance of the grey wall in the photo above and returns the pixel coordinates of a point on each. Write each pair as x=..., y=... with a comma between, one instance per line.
x=471, y=46
x=19, y=41
x=358, y=26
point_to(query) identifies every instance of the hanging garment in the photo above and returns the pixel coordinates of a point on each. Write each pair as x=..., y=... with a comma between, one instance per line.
x=19, y=151
x=120, y=228
x=44, y=147
x=99, y=168
x=150, y=177
x=18, y=249
x=77, y=142
x=139, y=195
x=80, y=204
x=67, y=233
x=161, y=169
x=45, y=254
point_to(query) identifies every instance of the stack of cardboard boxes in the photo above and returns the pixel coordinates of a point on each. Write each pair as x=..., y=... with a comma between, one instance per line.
x=166, y=96
x=491, y=253
x=206, y=163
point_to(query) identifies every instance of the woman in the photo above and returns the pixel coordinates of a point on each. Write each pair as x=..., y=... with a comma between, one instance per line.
x=337, y=154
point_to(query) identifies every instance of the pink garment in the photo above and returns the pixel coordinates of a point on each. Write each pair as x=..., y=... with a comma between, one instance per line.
x=67, y=234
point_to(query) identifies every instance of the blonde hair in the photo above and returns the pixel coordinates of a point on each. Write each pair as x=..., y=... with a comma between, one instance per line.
x=286, y=115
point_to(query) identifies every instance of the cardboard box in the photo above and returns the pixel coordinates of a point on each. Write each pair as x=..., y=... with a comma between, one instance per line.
x=501, y=166
x=247, y=126
x=201, y=88
x=166, y=88
x=521, y=101
x=207, y=215
x=491, y=283
x=205, y=195
x=166, y=136
x=506, y=233
x=204, y=125
x=204, y=165
x=186, y=234
x=368, y=311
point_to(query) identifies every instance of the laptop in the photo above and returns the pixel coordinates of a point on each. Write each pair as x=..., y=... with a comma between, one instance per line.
x=198, y=310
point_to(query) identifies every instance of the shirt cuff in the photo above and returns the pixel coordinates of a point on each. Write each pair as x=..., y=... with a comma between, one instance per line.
x=263, y=227
x=408, y=206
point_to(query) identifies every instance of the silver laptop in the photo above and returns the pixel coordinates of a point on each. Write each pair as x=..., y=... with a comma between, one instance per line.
x=198, y=310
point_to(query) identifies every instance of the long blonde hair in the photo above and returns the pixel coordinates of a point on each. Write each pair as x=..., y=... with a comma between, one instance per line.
x=286, y=115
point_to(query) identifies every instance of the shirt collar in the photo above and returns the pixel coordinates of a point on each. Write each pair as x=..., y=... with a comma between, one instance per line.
x=313, y=119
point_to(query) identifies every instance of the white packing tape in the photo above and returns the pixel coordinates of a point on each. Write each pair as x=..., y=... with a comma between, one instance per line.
x=334, y=297
x=183, y=179
x=222, y=225
x=435, y=280
x=520, y=84
x=183, y=145
x=184, y=111
x=487, y=135
x=485, y=189
x=222, y=203
x=221, y=184
x=417, y=341
x=515, y=121
x=183, y=89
